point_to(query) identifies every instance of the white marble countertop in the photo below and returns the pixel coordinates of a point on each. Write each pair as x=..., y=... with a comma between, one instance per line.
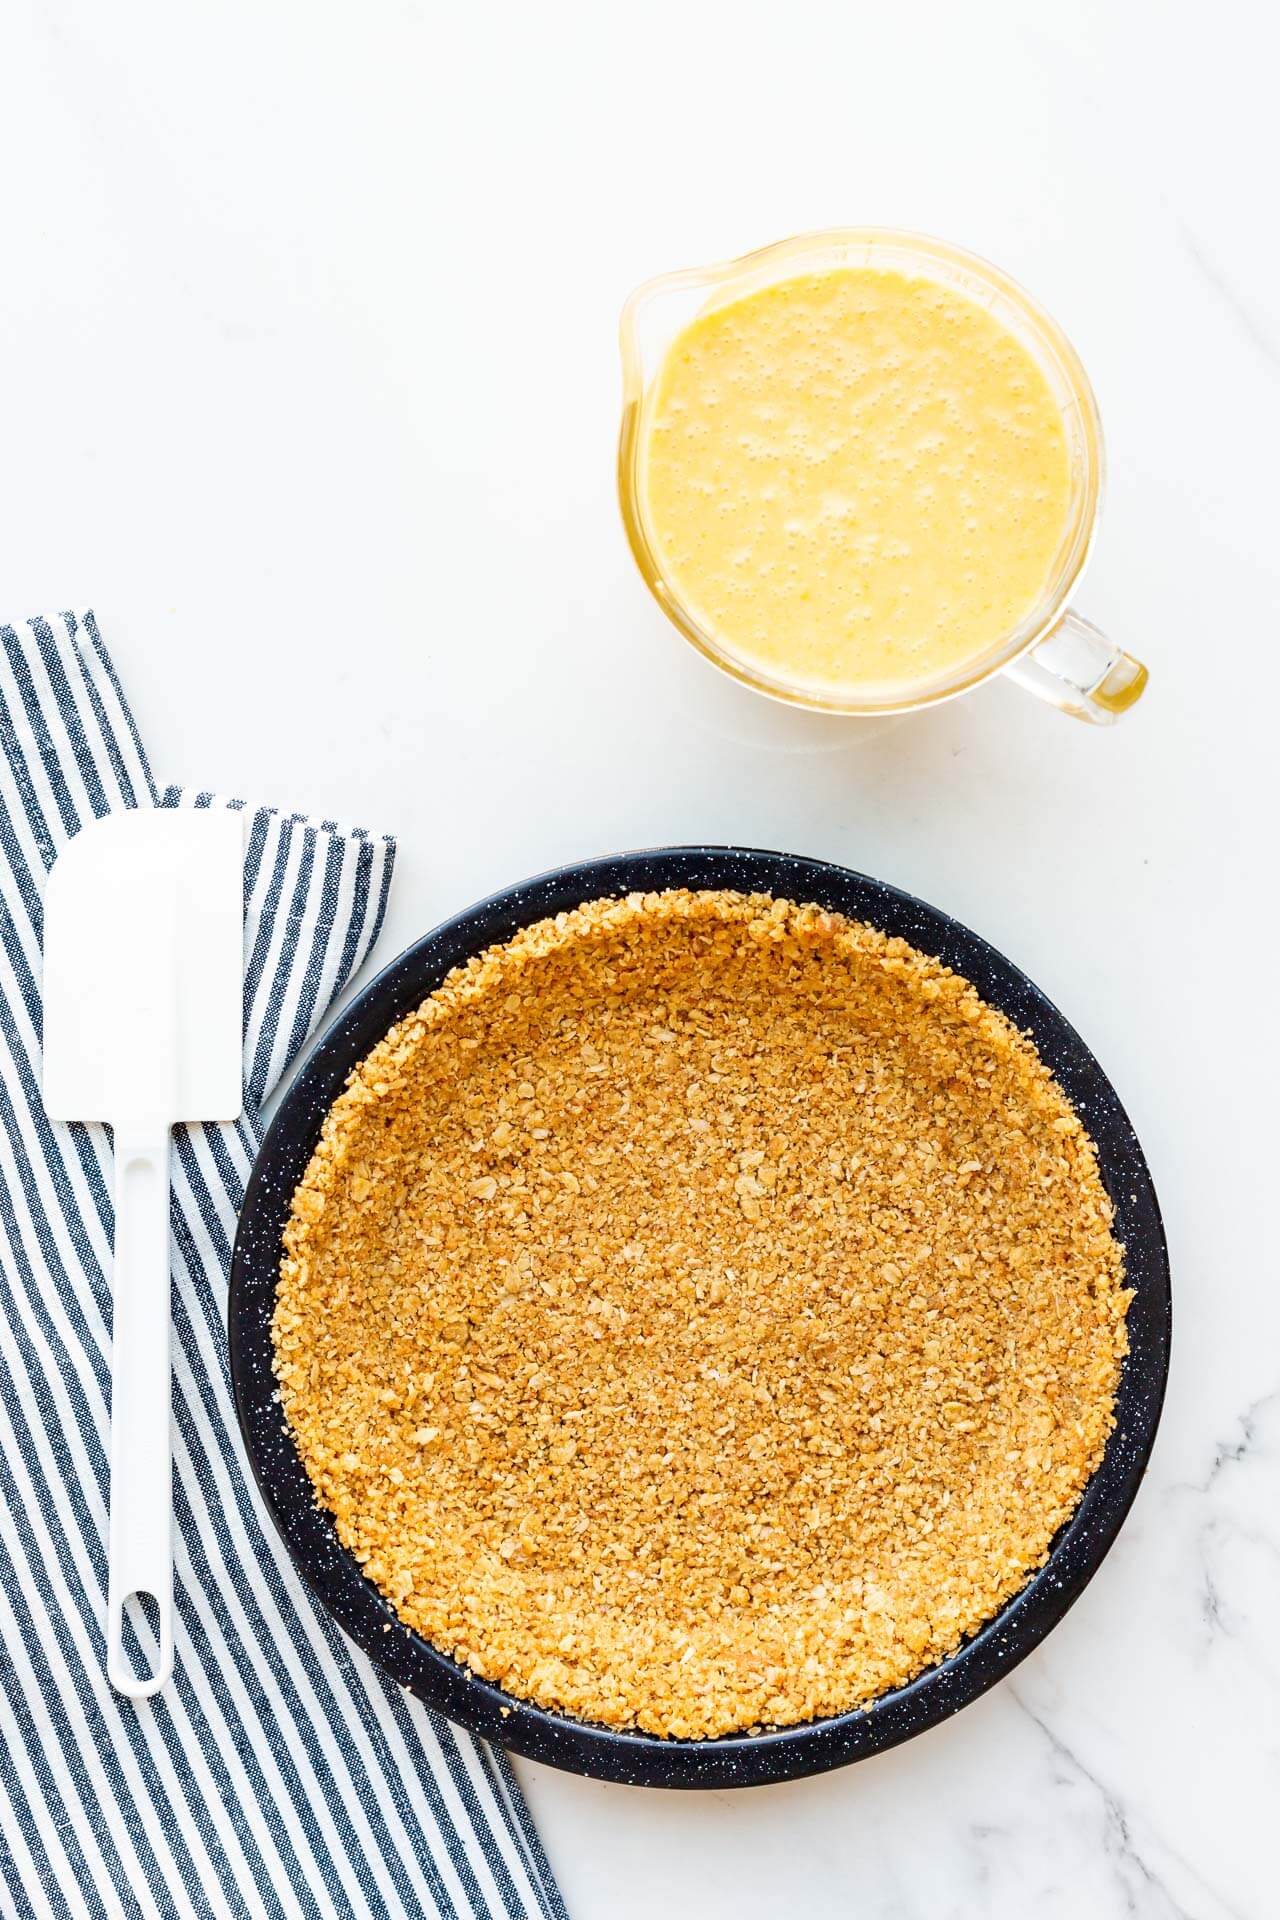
x=310, y=388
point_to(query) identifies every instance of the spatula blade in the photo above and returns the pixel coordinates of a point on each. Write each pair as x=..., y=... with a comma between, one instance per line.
x=143, y=968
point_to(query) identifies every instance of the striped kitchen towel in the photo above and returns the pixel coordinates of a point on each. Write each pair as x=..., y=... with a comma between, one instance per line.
x=279, y=1773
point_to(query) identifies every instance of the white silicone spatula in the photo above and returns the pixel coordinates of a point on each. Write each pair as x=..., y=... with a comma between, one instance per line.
x=143, y=972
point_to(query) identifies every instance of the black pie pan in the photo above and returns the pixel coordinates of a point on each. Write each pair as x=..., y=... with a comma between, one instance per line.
x=643, y=1759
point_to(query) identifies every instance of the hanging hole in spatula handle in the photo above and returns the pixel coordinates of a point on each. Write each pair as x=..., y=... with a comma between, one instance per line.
x=138, y=1622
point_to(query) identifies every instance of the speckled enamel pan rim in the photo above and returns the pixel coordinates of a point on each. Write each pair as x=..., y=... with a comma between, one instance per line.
x=642, y=1759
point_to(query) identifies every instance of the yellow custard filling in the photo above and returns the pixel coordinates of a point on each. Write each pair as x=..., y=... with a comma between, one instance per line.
x=854, y=480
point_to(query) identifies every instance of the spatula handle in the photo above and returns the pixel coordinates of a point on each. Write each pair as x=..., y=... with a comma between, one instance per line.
x=140, y=1542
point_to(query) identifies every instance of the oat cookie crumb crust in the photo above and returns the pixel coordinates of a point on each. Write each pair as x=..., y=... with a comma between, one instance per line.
x=701, y=1313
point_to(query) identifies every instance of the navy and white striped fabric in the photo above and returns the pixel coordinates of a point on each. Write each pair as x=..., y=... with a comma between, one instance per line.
x=278, y=1774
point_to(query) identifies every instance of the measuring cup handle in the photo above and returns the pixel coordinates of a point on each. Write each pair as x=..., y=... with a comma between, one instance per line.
x=1078, y=670
x=140, y=1543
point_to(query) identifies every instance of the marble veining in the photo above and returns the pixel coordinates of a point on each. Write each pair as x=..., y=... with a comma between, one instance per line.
x=1236, y=301
x=1138, y=1882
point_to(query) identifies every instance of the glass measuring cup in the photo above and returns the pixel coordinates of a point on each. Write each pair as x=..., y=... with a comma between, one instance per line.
x=1053, y=652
